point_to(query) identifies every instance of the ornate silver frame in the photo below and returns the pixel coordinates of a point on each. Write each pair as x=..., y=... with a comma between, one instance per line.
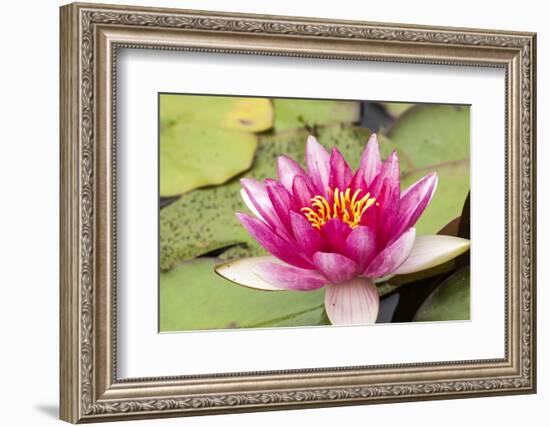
x=90, y=36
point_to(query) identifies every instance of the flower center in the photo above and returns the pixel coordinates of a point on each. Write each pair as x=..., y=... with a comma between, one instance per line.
x=346, y=208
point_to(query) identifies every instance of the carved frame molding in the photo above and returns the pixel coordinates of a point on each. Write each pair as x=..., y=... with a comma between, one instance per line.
x=90, y=37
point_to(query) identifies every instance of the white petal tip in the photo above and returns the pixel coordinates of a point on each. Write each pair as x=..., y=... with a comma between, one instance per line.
x=241, y=272
x=431, y=251
x=248, y=202
x=311, y=139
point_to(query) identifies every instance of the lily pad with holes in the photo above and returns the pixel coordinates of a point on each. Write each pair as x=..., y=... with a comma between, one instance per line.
x=308, y=113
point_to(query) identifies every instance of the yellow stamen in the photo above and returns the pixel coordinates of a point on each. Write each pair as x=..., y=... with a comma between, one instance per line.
x=349, y=209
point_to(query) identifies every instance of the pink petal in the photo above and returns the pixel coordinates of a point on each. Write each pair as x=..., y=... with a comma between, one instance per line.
x=360, y=246
x=340, y=172
x=288, y=277
x=318, y=164
x=335, y=233
x=257, y=194
x=414, y=201
x=385, y=188
x=383, y=210
x=335, y=267
x=272, y=242
x=388, y=210
x=287, y=169
x=392, y=256
x=390, y=171
x=281, y=200
x=358, y=182
x=307, y=238
x=303, y=191
x=370, y=159
x=355, y=302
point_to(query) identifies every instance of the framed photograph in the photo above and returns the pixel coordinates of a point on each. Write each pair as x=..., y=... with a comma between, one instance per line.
x=266, y=212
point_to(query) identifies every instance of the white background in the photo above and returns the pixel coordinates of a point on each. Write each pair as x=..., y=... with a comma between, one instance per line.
x=29, y=170
x=145, y=353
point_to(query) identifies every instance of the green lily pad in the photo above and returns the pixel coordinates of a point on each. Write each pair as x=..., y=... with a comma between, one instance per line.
x=450, y=300
x=237, y=113
x=193, y=297
x=435, y=138
x=204, y=220
x=300, y=113
x=433, y=135
x=192, y=157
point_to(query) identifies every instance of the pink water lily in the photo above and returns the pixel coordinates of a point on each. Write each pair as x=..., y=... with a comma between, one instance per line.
x=333, y=227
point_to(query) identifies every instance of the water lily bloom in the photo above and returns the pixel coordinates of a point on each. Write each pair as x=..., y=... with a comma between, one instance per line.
x=329, y=226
